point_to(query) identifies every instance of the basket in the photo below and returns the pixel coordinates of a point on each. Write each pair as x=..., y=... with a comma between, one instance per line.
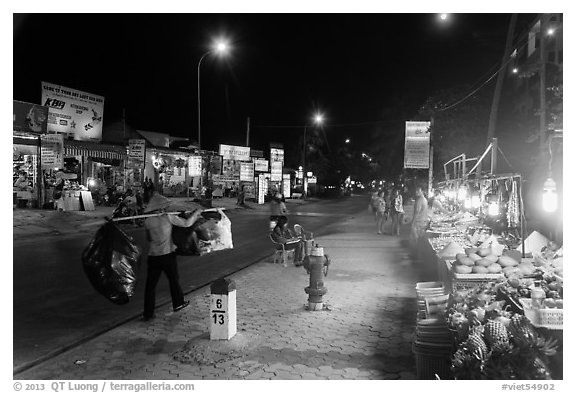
x=431, y=364
x=471, y=281
x=549, y=318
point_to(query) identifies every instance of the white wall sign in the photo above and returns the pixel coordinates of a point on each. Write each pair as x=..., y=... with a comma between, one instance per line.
x=417, y=145
x=195, y=166
x=239, y=153
x=137, y=149
x=247, y=171
x=73, y=112
x=52, y=151
x=276, y=171
x=261, y=165
x=286, y=185
x=277, y=155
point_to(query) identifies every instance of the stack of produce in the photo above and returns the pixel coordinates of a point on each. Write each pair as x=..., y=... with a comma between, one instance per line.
x=495, y=342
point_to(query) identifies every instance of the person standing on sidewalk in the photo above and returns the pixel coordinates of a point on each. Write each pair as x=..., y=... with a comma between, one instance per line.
x=161, y=254
x=397, y=211
x=420, y=218
x=380, y=212
x=277, y=209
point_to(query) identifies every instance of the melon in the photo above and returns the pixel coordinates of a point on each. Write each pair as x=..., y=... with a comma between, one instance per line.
x=479, y=270
x=483, y=262
x=492, y=258
x=484, y=252
x=506, y=261
x=514, y=254
x=474, y=257
x=462, y=269
x=495, y=268
x=526, y=268
x=465, y=261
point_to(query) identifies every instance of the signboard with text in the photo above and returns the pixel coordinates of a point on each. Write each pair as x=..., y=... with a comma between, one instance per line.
x=52, y=151
x=276, y=171
x=417, y=145
x=246, y=171
x=261, y=165
x=239, y=153
x=73, y=112
x=277, y=155
x=194, y=166
x=286, y=185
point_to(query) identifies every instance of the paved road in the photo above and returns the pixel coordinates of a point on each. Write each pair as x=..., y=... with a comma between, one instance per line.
x=55, y=307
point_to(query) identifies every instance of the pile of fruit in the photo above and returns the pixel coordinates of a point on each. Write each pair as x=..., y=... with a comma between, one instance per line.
x=494, y=340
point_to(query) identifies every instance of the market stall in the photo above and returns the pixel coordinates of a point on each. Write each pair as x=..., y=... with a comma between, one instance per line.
x=496, y=309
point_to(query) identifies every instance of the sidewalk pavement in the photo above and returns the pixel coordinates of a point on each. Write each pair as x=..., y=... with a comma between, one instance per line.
x=365, y=332
x=31, y=223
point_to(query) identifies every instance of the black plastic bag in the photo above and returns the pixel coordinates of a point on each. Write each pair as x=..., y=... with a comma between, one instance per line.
x=183, y=238
x=111, y=262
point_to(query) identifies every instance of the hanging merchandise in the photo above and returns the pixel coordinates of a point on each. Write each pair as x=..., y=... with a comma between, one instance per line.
x=513, y=211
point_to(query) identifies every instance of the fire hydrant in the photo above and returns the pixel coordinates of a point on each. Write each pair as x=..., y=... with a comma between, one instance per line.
x=316, y=264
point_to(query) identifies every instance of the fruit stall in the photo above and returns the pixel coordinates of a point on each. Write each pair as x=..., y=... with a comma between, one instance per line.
x=496, y=309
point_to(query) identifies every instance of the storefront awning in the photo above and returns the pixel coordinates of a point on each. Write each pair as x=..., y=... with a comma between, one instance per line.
x=91, y=149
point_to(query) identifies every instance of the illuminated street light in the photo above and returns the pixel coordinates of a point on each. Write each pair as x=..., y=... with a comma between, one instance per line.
x=515, y=70
x=318, y=119
x=347, y=140
x=220, y=48
x=443, y=17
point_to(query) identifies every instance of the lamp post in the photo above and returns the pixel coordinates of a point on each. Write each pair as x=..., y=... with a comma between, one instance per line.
x=220, y=48
x=318, y=119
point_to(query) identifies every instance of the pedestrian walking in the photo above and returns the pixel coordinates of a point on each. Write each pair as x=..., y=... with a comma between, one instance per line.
x=277, y=209
x=419, y=219
x=397, y=211
x=380, y=212
x=161, y=253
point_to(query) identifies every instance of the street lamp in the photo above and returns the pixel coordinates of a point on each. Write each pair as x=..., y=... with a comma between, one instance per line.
x=220, y=48
x=318, y=119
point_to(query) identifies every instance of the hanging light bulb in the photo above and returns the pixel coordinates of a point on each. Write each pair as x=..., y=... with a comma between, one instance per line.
x=467, y=203
x=549, y=196
x=475, y=201
x=493, y=205
x=462, y=193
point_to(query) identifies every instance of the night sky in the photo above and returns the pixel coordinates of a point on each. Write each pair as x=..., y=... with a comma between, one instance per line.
x=282, y=68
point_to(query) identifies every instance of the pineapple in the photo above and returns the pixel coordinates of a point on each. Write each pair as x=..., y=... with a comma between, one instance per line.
x=495, y=333
x=477, y=346
x=523, y=332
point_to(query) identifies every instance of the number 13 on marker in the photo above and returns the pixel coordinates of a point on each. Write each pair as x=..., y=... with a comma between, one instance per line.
x=217, y=311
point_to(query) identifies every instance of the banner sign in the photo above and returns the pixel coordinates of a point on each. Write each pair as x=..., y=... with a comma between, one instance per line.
x=194, y=166
x=277, y=155
x=247, y=171
x=261, y=165
x=231, y=168
x=29, y=118
x=240, y=153
x=417, y=145
x=286, y=185
x=256, y=153
x=137, y=149
x=52, y=151
x=276, y=171
x=262, y=188
x=73, y=112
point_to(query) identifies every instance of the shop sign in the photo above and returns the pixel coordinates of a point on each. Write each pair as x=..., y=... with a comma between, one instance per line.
x=29, y=118
x=256, y=153
x=262, y=188
x=277, y=154
x=231, y=168
x=240, y=153
x=73, y=112
x=286, y=185
x=246, y=171
x=194, y=166
x=417, y=145
x=276, y=171
x=261, y=165
x=312, y=180
x=52, y=151
x=137, y=149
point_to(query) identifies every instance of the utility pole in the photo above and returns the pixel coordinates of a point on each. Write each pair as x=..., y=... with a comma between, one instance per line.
x=500, y=80
x=248, y=131
x=543, y=127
